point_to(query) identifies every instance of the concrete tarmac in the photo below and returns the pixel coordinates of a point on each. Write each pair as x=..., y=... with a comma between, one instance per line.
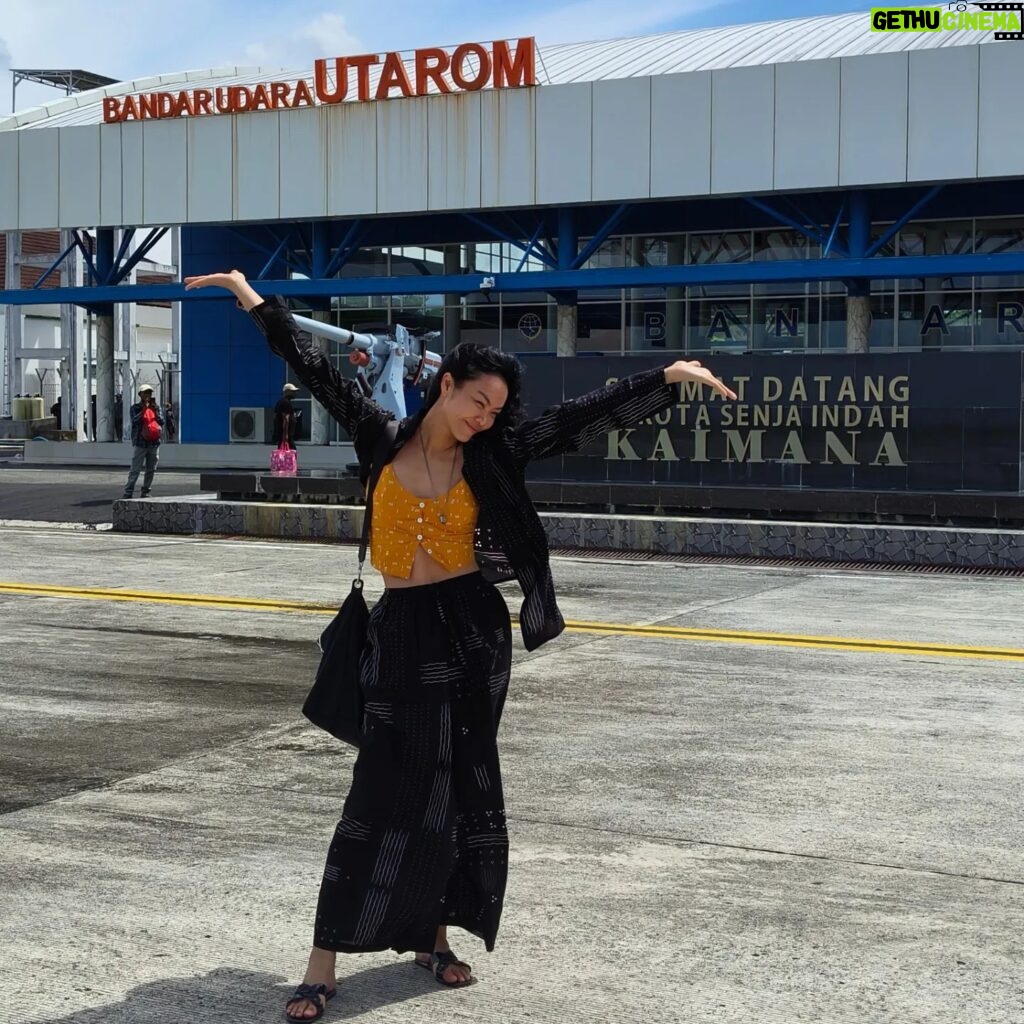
x=75, y=494
x=702, y=830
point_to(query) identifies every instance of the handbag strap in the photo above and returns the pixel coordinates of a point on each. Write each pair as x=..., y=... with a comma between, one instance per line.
x=377, y=463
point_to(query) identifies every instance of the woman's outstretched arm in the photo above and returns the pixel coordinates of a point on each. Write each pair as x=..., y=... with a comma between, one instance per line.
x=361, y=417
x=581, y=421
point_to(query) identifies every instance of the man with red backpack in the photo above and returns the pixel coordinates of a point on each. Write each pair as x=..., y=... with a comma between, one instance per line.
x=147, y=431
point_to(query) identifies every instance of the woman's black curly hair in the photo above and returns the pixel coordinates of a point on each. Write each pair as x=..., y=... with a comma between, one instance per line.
x=470, y=361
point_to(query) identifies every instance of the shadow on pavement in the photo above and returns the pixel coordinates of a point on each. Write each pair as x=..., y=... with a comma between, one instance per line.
x=231, y=995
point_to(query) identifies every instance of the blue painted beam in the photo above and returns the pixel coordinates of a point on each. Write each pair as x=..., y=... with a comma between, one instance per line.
x=349, y=245
x=797, y=271
x=55, y=264
x=86, y=256
x=274, y=256
x=568, y=239
x=859, y=233
x=140, y=254
x=603, y=232
x=890, y=232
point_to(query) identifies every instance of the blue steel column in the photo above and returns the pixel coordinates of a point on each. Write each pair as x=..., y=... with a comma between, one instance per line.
x=566, y=314
x=105, y=342
x=858, y=290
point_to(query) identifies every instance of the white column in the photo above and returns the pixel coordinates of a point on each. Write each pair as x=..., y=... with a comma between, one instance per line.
x=567, y=321
x=12, y=326
x=320, y=421
x=858, y=323
x=104, y=336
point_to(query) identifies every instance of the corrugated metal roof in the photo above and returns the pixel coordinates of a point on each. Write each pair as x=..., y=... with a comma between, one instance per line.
x=768, y=42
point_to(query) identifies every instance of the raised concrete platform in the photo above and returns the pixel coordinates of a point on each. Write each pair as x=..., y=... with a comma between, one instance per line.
x=184, y=456
x=885, y=544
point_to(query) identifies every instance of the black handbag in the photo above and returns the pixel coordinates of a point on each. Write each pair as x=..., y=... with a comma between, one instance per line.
x=335, y=702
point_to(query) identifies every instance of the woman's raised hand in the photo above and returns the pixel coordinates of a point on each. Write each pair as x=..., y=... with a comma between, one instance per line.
x=233, y=281
x=693, y=371
x=229, y=280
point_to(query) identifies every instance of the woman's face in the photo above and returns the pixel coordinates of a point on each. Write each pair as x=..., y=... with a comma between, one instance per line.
x=472, y=406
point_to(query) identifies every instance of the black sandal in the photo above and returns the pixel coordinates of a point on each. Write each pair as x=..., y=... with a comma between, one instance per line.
x=439, y=962
x=310, y=994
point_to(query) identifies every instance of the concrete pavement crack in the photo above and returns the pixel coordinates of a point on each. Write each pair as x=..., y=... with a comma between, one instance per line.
x=686, y=841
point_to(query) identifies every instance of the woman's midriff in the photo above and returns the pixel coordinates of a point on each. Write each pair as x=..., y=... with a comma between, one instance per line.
x=426, y=571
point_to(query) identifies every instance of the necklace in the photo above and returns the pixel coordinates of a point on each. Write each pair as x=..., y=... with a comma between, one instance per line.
x=443, y=516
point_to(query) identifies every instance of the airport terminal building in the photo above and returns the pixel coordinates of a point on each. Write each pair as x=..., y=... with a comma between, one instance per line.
x=833, y=214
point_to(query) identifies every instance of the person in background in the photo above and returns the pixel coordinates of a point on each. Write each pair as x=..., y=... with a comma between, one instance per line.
x=147, y=431
x=285, y=418
x=170, y=421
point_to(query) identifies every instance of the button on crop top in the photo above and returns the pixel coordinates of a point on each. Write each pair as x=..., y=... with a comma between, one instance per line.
x=403, y=522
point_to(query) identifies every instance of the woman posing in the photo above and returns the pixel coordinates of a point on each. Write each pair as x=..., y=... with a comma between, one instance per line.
x=422, y=844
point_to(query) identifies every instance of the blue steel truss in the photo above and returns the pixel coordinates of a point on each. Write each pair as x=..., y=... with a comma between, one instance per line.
x=862, y=268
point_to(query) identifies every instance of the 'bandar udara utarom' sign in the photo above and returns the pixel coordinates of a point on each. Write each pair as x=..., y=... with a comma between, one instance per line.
x=503, y=64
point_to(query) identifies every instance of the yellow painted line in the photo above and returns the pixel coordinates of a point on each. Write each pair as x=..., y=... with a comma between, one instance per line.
x=157, y=597
x=693, y=634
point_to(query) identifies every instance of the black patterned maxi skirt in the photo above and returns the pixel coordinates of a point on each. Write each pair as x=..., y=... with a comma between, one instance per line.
x=422, y=841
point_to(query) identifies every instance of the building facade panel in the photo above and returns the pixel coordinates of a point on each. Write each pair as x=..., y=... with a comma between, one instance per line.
x=351, y=159
x=38, y=174
x=564, y=126
x=402, y=155
x=303, y=163
x=742, y=130
x=622, y=139
x=111, y=176
x=257, y=167
x=942, y=135
x=681, y=135
x=165, y=173
x=807, y=124
x=210, y=169
x=873, y=119
x=132, y=173
x=9, y=175
x=456, y=151
x=1000, y=123
x=509, y=141
x=80, y=176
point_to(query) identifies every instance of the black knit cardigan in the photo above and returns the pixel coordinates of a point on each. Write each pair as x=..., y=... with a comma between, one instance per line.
x=510, y=541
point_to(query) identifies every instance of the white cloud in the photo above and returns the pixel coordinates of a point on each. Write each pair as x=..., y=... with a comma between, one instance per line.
x=326, y=35
x=586, y=20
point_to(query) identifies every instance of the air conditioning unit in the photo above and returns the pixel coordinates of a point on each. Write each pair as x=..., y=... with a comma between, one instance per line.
x=248, y=424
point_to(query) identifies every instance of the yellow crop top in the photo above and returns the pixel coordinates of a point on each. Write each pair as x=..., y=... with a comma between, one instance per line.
x=403, y=522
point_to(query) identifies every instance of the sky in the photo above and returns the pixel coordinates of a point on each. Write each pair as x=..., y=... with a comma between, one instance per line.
x=140, y=40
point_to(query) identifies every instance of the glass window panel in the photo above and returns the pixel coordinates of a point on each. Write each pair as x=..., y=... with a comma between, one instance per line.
x=366, y=263
x=779, y=324
x=832, y=325
x=528, y=328
x=883, y=321
x=776, y=245
x=610, y=253
x=719, y=324
x=599, y=327
x=656, y=326
x=936, y=238
x=935, y=319
x=723, y=247
x=416, y=260
x=1002, y=235
x=999, y=318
